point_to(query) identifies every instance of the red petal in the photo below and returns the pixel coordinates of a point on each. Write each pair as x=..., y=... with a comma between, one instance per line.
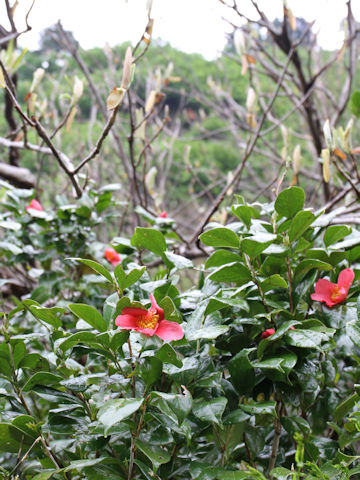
x=134, y=311
x=146, y=331
x=267, y=333
x=345, y=279
x=154, y=305
x=324, y=287
x=128, y=322
x=35, y=205
x=318, y=297
x=169, y=330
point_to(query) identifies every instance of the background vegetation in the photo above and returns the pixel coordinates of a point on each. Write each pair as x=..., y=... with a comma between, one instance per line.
x=226, y=192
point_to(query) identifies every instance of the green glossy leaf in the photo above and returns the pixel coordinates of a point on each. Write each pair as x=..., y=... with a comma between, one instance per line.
x=127, y=280
x=221, y=257
x=245, y=213
x=167, y=354
x=90, y=315
x=118, y=339
x=281, y=473
x=254, y=245
x=80, y=464
x=345, y=406
x=133, y=276
x=178, y=261
x=150, y=239
x=290, y=201
x=334, y=233
x=109, y=309
x=150, y=370
x=218, y=303
x=41, y=378
x=300, y=224
x=155, y=454
x=175, y=406
x=355, y=103
x=95, y=266
x=274, y=281
x=45, y=475
x=263, y=408
x=211, y=410
x=231, y=273
x=236, y=416
x=242, y=372
x=220, y=237
x=353, y=332
x=80, y=337
x=48, y=315
x=103, y=202
x=310, y=263
x=280, y=332
x=308, y=338
x=116, y=410
x=295, y=424
x=27, y=424
x=208, y=332
x=12, y=438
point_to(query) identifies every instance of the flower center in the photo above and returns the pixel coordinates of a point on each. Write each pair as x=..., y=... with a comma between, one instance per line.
x=335, y=293
x=149, y=320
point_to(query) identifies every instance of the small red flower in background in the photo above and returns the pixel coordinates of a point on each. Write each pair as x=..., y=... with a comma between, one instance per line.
x=267, y=333
x=112, y=256
x=35, y=205
x=333, y=293
x=292, y=327
x=149, y=322
x=163, y=214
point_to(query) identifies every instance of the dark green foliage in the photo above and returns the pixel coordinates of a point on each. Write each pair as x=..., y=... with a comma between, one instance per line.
x=222, y=397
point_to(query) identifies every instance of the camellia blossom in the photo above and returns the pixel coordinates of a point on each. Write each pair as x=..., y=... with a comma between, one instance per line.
x=333, y=293
x=35, y=205
x=149, y=322
x=112, y=256
x=267, y=333
x=163, y=214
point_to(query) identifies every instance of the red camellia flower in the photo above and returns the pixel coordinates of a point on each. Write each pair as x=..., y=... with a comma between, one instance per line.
x=150, y=322
x=267, y=333
x=333, y=293
x=112, y=256
x=35, y=205
x=163, y=214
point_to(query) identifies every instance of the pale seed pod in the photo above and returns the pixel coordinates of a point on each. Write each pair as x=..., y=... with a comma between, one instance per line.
x=327, y=134
x=78, y=89
x=2, y=79
x=251, y=100
x=239, y=41
x=325, y=155
x=37, y=77
x=126, y=76
x=115, y=98
x=296, y=159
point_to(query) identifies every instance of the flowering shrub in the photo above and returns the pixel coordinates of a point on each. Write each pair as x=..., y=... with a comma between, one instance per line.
x=101, y=385
x=333, y=293
x=149, y=322
x=112, y=256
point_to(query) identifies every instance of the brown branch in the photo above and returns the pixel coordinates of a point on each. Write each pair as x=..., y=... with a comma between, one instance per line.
x=251, y=145
x=61, y=158
x=104, y=134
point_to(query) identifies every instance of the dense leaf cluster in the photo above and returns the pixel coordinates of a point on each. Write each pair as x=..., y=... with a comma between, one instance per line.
x=81, y=398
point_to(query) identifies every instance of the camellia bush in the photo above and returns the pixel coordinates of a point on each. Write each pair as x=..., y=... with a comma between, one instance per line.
x=128, y=361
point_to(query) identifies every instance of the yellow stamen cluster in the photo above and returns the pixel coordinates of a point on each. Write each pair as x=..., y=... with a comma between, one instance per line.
x=336, y=293
x=149, y=320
